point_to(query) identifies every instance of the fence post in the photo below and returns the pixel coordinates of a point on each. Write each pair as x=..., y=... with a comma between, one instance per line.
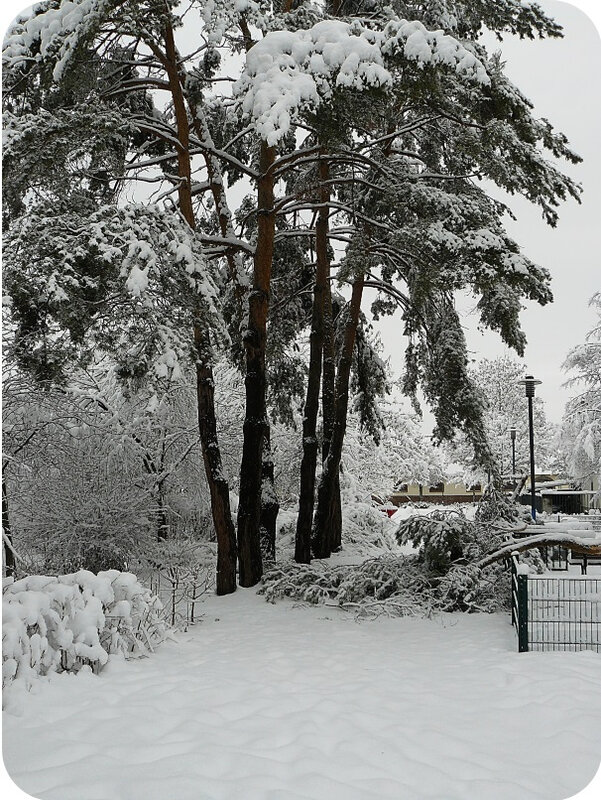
x=514, y=575
x=522, y=613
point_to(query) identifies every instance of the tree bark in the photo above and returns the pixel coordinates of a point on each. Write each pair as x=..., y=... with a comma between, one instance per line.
x=302, y=549
x=255, y=338
x=205, y=387
x=329, y=411
x=218, y=485
x=9, y=556
x=269, y=504
x=324, y=513
x=163, y=519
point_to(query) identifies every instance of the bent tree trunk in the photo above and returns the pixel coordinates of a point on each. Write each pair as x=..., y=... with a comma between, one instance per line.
x=302, y=549
x=255, y=421
x=584, y=546
x=162, y=515
x=324, y=513
x=205, y=387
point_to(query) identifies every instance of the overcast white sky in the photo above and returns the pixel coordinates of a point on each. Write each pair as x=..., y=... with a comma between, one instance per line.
x=562, y=78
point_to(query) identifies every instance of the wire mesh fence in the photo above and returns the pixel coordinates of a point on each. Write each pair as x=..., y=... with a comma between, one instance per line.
x=564, y=613
x=556, y=612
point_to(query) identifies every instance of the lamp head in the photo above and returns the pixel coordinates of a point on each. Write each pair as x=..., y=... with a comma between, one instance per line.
x=529, y=382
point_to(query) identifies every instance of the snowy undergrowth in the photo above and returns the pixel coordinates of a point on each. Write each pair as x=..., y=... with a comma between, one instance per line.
x=55, y=624
x=415, y=564
x=389, y=584
x=366, y=531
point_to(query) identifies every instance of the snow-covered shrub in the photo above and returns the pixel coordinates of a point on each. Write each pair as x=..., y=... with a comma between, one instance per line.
x=286, y=533
x=366, y=530
x=443, y=538
x=61, y=623
x=495, y=506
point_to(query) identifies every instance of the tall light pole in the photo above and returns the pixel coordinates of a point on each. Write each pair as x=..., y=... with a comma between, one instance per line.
x=530, y=383
x=513, y=432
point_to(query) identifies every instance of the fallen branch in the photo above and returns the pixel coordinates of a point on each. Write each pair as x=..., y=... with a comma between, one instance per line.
x=583, y=546
x=518, y=489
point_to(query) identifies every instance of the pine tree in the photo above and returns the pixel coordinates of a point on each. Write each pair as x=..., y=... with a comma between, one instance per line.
x=421, y=113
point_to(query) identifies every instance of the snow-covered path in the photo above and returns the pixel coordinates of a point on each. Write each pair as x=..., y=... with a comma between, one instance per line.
x=264, y=702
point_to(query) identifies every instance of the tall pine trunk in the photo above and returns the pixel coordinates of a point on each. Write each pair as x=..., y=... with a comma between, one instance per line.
x=325, y=513
x=302, y=549
x=333, y=540
x=255, y=340
x=205, y=387
x=218, y=485
x=322, y=548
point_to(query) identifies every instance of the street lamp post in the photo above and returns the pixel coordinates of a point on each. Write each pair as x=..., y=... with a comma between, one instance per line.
x=530, y=383
x=513, y=432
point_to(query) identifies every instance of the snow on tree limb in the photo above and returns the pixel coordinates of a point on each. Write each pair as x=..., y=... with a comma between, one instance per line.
x=288, y=72
x=53, y=32
x=585, y=546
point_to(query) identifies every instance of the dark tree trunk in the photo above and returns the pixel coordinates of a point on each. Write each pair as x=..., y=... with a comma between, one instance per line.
x=302, y=549
x=324, y=518
x=205, y=387
x=269, y=504
x=9, y=556
x=334, y=533
x=255, y=422
x=218, y=485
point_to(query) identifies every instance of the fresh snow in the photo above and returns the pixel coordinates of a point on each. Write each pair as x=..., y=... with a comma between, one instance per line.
x=288, y=72
x=55, y=31
x=263, y=702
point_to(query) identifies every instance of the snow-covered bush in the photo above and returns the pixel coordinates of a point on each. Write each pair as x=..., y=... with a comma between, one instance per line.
x=55, y=624
x=366, y=530
x=495, y=507
x=443, y=538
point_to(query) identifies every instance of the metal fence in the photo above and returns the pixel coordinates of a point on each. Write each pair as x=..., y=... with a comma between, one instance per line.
x=555, y=612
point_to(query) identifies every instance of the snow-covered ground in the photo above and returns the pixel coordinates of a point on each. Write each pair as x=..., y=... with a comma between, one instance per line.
x=283, y=703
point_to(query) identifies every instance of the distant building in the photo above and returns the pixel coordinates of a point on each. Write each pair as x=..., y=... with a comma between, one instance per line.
x=442, y=493
x=553, y=495
x=561, y=496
